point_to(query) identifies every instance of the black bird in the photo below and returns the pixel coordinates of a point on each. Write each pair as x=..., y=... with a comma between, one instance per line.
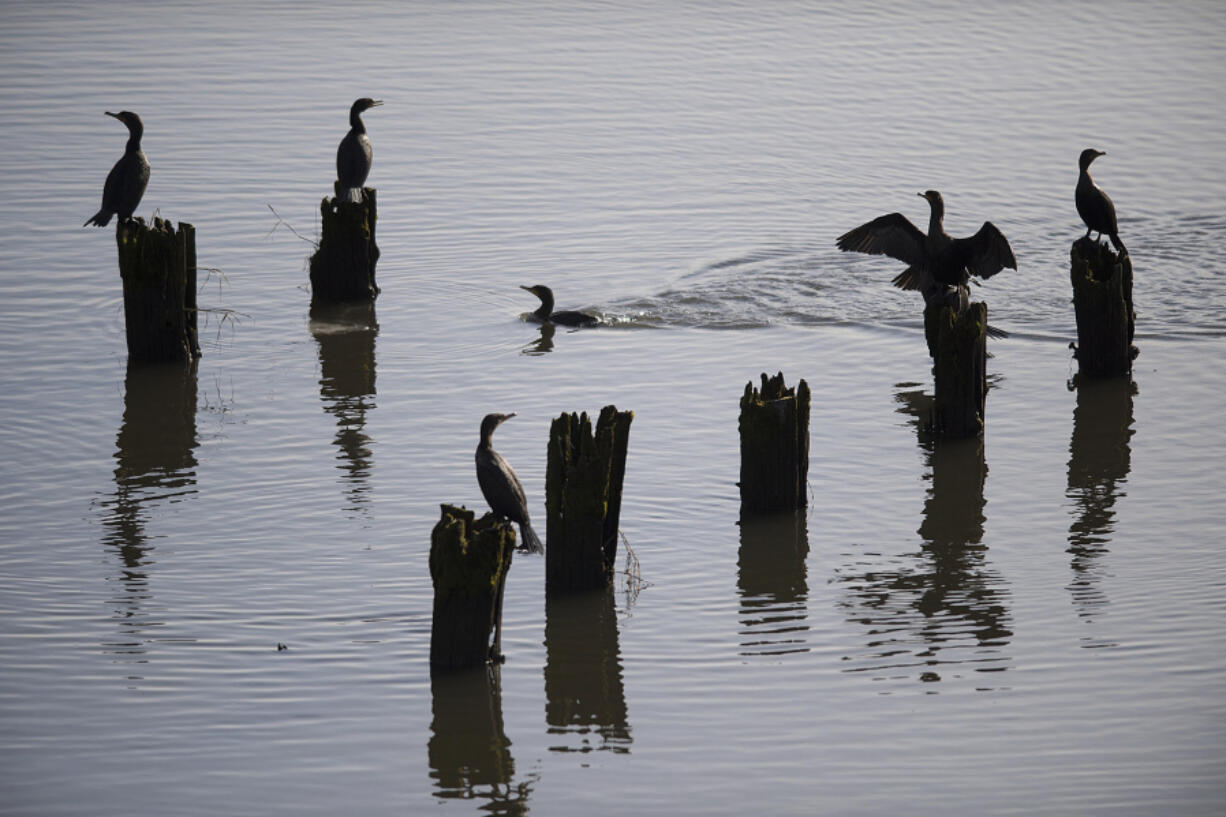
x=938, y=263
x=353, y=155
x=1093, y=205
x=500, y=487
x=545, y=314
x=125, y=184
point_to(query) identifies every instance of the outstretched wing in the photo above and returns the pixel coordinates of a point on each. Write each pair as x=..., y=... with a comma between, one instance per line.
x=891, y=235
x=985, y=253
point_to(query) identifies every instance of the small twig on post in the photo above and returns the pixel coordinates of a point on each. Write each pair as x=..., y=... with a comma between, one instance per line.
x=1102, y=300
x=469, y=561
x=774, y=426
x=959, y=369
x=583, y=491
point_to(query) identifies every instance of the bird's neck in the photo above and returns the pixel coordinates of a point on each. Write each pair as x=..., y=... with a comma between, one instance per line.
x=355, y=122
x=935, y=228
x=134, y=135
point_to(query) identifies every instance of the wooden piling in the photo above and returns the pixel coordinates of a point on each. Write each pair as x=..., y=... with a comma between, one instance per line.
x=469, y=561
x=158, y=268
x=1102, y=299
x=959, y=369
x=583, y=491
x=343, y=266
x=774, y=425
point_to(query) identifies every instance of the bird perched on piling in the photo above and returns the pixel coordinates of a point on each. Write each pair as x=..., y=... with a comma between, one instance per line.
x=545, y=314
x=499, y=485
x=940, y=266
x=1093, y=205
x=125, y=184
x=353, y=155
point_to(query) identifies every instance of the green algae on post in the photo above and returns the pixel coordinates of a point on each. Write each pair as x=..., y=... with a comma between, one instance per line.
x=469, y=560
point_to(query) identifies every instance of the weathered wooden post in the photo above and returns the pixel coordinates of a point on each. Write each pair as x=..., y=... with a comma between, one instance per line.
x=774, y=425
x=469, y=561
x=343, y=266
x=158, y=268
x=583, y=494
x=959, y=368
x=1102, y=299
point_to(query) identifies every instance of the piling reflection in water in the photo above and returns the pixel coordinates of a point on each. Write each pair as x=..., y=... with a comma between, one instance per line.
x=346, y=336
x=155, y=463
x=585, y=703
x=1099, y=460
x=945, y=610
x=469, y=753
x=773, y=585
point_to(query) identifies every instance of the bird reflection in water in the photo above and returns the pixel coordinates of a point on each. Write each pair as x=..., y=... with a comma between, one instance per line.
x=773, y=585
x=585, y=704
x=469, y=752
x=946, y=611
x=543, y=345
x=1099, y=461
x=155, y=463
x=346, y=336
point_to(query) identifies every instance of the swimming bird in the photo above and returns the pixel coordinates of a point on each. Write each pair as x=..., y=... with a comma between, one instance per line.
x=353, y=155
x=938, y=263
x=125, y=184
x=1095, y=206
x=499, y=485
x=545, y=314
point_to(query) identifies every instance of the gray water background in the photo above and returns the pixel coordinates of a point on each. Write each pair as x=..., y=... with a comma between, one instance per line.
x=1032, y=627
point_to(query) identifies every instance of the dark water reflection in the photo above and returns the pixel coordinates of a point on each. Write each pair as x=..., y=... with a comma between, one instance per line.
x=1099, y=461
x=944, y=608
x=155, y=463
x=543, y=345
x=469, y=752
x=773, y=585
x=585, y=703
x=346, y=336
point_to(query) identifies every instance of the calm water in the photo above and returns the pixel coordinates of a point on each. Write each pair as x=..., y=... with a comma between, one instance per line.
x=1033, y=625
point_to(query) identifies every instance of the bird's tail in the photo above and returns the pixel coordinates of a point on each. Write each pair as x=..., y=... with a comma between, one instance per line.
x=532, y=542
x=1119, y=245
x=906, y=279
x=100, y=218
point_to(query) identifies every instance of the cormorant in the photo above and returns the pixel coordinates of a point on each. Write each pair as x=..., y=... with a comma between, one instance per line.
x=938, y=263
x=1093, y=205
x=125, y=184
x=353, y=155
x=500, y=487
x=545, y=314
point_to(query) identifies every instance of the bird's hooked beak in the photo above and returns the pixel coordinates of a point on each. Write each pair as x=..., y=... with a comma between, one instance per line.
x=117, y=116
x=527, y=289
x=922, y=195
x=374, y=103
x=506, y=417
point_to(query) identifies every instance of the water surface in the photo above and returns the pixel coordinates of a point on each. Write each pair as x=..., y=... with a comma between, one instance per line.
x=1030, y=624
